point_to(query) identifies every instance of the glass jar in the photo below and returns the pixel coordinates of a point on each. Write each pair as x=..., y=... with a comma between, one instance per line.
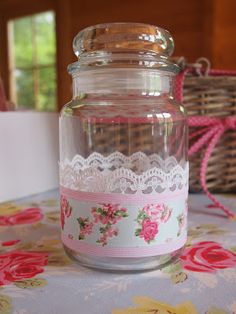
x=123, y=151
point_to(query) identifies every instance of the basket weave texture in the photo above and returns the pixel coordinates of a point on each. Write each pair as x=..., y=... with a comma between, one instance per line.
x=213, y=96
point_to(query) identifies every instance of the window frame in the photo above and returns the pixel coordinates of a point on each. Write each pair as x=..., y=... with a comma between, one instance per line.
x=22, y=9
x=34, y=68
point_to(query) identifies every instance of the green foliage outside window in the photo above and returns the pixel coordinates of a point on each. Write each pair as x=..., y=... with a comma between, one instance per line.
x=33, y=58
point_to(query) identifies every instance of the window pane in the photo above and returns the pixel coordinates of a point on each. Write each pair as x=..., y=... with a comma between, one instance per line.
x=32, y=61
x=22, y=42
x=24, y=89
x=45, y=38
x=47, y=89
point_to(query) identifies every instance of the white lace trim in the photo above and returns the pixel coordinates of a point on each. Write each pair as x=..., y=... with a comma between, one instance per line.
x=118, y=173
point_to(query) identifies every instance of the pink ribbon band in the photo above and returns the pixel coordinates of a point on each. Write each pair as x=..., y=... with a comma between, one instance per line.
x=130, y=252
x=131, y=199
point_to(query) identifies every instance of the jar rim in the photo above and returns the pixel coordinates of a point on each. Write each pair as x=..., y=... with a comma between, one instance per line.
x=122, y=36
x=152, y=64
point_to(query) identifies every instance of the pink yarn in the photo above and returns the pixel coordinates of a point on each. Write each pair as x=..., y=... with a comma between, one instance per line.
x=213, y=132
x=212, y=129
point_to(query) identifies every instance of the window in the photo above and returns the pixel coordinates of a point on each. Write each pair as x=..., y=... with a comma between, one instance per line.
x=32, y=62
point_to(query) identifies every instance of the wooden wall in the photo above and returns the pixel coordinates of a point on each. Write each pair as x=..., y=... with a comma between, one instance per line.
x=200, y=27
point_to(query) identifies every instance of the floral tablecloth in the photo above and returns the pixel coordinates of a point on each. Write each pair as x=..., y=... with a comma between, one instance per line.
x=36, y=276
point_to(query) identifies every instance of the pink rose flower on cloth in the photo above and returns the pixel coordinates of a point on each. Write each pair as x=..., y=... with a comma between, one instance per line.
x=26, y=216
x=149, y=230
x=208, y=257
x=10, y=242
x=19, y=265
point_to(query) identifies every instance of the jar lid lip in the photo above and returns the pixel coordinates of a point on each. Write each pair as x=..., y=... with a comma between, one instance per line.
x=122, y=36
x=102, y=61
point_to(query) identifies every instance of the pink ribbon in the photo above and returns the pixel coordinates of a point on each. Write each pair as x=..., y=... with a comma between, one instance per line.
x=210, y=133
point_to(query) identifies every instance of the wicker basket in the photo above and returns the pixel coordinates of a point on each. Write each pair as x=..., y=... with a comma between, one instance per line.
x=213, y=94
x=208, y=93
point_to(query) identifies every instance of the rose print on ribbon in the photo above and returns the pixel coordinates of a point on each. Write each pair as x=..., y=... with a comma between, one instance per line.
x=182, y=219
x=66, y=210
x=149, y=218
x=85, y=227
x=149, y=230
x=106, y=215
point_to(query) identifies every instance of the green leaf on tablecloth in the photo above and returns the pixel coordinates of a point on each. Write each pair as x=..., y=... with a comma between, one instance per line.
x=172, y=268
x=164, y=259
x=37, y=225
x=189, y=242
x=9, y=208
x=205, y=229
x=194, y=233
x=26, y=246
x=207, y=226
x=233, y=249
x=31, y=283
x=33, y=204
x=214, y=310
x=59, y=259
x=53, y=216
x=178, y=277
x=50, y=203
x=5, y=304
x=211, y=229
x=216, y=231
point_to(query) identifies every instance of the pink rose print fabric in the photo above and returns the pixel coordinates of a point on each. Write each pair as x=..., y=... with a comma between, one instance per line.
x=149, y=219
x=10, y=243
x=18, y=265
x=26, y=216
x=207, y=256
x=34, y=266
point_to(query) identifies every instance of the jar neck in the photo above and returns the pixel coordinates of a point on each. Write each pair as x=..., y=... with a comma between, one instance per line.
x=122, y=81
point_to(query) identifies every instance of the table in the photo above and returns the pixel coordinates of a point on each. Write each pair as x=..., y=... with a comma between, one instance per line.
x=36, y=276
